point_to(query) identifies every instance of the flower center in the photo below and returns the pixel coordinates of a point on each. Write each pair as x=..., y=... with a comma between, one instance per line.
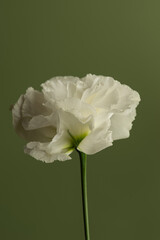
x=76, y=140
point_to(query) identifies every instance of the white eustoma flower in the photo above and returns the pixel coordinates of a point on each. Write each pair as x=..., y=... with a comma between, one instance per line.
x=86, y=113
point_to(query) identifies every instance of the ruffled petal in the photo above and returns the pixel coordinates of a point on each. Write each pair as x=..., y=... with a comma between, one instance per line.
x=124, y=112
x=28, y=124
x=102, y=92
x=40, y=152
x=33, y=104
x=58, y=88
x=82, y=111
x=127, y=98
x=121, y=124
x=58, y=148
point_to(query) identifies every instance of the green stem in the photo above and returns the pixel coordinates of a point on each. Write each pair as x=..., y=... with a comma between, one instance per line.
x=83, y=164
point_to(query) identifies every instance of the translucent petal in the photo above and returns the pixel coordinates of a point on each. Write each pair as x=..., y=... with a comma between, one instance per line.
x=99, y=138
x=121, y=124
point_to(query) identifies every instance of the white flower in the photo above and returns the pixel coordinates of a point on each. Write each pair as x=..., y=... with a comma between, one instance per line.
x=87, y=114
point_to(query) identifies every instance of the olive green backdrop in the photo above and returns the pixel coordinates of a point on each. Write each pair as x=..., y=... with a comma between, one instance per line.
x=42, y=39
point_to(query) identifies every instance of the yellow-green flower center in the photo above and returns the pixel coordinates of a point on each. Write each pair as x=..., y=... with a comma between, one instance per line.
x=75, y=140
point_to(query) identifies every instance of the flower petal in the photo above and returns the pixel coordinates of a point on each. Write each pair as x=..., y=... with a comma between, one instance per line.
x=58, y=149
x=102, y=93
x=40, y=121
x=39, y=151
x=58, y=88
x=33, y=104
x=28, y=124
x=124, y=112
x=16, y=113
x=71, y=124
x=121, y=124
x=99, y=138
x=128, y=98
x=82, y=111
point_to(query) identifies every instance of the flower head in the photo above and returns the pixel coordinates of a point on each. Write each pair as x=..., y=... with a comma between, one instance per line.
x=86, y=113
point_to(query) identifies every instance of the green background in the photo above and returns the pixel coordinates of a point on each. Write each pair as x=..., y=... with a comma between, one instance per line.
x=118, y=38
